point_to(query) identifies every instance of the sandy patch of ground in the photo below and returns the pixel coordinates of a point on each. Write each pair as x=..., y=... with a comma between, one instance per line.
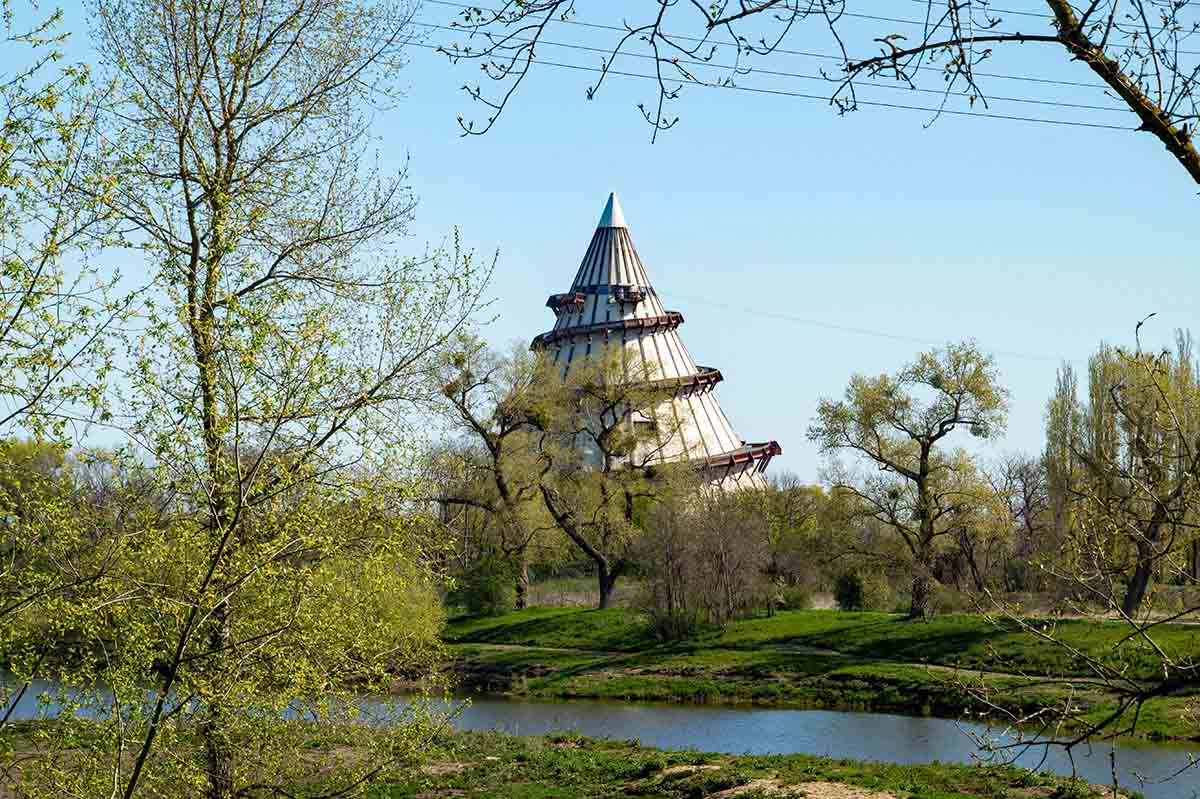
x=809, y=790
x=837, y=790
x=442, y=769
x=687, y=769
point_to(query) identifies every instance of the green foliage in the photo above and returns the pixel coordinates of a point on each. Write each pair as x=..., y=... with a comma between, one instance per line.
x=948, y=600
x=269, y=564
x=803, y=528
x=486, y=588
x=607, y=423
x=340, y=609
x=795, y=597
x=862, y=661
x=496, y=766
x=848, y=592
x=857, y=590
x=487, y=482
x=894, y=426
x=53, y=214
x=1123, y=472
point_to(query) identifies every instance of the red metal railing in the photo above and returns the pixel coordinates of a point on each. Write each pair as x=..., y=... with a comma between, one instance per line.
x=669, y=321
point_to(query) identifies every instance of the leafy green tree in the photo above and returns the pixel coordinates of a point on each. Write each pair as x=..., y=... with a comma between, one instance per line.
x=604, y=429
x=1062, y=431
x=1131, y=474
x=34, y=554
x=1128, y=456
x=1023, y=521
x=849, y=593
x=66, y=525
x=54, y=316
x=284, y=346
x=33, y=490
x=800, y=538
x=896, y=426
x=491, y=400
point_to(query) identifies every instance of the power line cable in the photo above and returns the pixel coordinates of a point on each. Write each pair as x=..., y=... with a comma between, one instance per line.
x=1043, y=14
x=680, y=37
x=894, y=86
x=860, y=331
x=825, y=99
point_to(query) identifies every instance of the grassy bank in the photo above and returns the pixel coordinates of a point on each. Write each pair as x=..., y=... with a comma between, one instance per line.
x=864, y=661
x=564, y=767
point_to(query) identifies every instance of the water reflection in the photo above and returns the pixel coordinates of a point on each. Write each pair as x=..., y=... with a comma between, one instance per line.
x=861, y=736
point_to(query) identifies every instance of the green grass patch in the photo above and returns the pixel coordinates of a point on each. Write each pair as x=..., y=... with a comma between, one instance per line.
x=615, y=629
x=861, y=661
x=769, y=678
x=964, y=641
x=568, y=767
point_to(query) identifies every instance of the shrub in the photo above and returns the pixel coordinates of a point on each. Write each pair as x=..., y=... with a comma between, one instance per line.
x=849, y=591
x=950, y=600
x=671, y=624
x=855, y=590
x=487, y=588
x=795, y=597
x=703, y=557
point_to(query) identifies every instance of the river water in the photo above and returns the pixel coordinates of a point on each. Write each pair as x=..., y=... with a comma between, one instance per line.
x=841, y=734
x=831, y=733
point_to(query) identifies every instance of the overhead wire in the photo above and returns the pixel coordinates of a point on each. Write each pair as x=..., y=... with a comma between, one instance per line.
x=800, y=53
x=860, y=331
x=680, y=37
x=1043, y=14
x=893, y=86
x=825, y=98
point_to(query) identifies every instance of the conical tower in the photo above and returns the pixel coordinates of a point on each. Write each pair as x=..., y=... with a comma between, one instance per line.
x=612, y=304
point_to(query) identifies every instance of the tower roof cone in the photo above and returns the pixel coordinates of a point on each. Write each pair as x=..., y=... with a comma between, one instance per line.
x=612, y=216
x=611, y=259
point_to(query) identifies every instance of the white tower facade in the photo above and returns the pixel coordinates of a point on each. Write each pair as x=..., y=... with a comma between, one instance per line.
x=612, y=303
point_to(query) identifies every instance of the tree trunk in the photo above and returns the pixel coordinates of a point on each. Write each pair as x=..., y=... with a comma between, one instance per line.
x=968, y=550
x=919, y=606
x=1135, y=592
x=218, y=759
x=607, y=580
x=219, y=752
x=522, y=582
x=922, y=586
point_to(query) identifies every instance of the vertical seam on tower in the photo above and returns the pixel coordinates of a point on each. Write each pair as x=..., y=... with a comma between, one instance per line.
x=662, y=448
x=692, y=409
x=715, y=427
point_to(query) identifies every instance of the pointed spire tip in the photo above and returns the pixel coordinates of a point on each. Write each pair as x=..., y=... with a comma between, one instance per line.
x=612, y=216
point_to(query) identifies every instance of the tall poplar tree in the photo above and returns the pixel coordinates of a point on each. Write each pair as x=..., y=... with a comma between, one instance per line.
x=1126, y=466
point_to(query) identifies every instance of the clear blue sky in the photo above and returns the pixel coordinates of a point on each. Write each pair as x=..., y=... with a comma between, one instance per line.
x=1038, y=241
